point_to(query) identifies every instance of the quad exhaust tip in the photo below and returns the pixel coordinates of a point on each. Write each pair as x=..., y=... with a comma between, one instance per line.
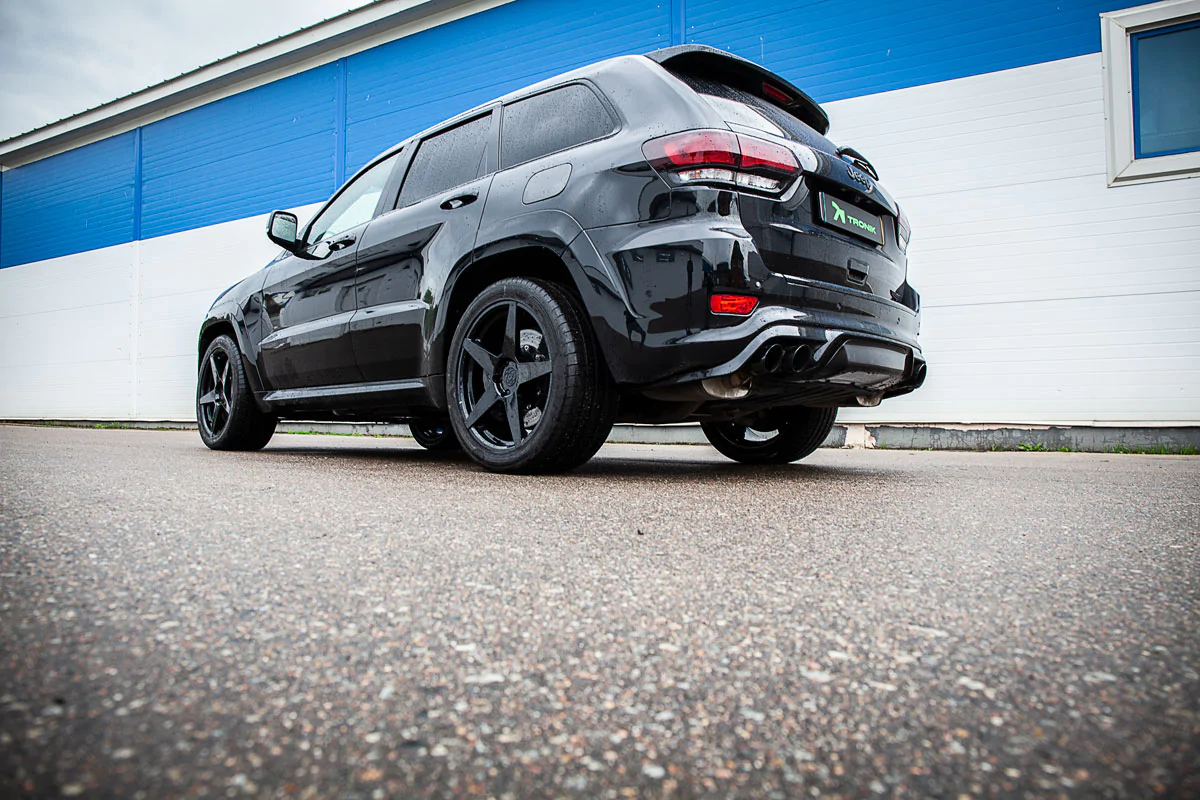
x=770, y=360
x=777, y=358
x=797, y=359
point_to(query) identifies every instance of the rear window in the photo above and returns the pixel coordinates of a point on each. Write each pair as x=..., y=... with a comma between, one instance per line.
x=550, y=122
x=447, y=159
x=740, y=107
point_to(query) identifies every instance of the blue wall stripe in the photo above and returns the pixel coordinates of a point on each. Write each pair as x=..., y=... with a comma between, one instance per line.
x=833, y=50
x=293, y=141
x=404, y=86
x=137, y=184
x=339, y=152
x=678, y=21
x=76, y=201
x=265, y=148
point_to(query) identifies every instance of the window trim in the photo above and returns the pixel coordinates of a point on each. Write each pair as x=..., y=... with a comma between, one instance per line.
x=1116, y=30
x=616, y=120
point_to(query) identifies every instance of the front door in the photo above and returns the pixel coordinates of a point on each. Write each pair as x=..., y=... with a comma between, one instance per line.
x=406, y=254
x=309, y=297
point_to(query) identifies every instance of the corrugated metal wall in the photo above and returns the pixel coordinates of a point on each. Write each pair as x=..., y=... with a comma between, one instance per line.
x=1049, y=298
x=80, y=200
x=400, y=88
x=293, y=141
x=839, y=50
x=256, y=151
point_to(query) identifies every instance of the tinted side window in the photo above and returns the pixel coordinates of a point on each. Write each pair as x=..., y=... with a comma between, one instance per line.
x=355, y=205
x=447, y=159
x=553, y=121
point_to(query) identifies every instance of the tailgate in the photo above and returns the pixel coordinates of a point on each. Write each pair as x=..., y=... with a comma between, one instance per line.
x=839, y=225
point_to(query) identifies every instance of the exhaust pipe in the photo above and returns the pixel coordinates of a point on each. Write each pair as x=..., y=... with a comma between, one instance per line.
x=770, y=360
x=797, y=359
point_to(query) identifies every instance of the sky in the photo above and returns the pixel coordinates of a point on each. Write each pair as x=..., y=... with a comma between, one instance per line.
x=60, y=57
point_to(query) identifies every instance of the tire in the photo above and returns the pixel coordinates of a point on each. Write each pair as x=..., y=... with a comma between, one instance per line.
x=527, y=387
x=780, y=436
x=435, y=435
x=226, y=414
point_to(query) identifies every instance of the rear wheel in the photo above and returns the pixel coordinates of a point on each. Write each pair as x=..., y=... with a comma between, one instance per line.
x=779, y=436
x=434, y=435
x=527, y=388
x=226, y=413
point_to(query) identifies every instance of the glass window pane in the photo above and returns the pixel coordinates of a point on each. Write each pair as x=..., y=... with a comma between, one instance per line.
x=550, y=122
x=447, y=159
x=1166, y=72
x=355, y=205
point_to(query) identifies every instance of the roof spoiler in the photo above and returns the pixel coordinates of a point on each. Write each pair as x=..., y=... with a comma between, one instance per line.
x=709, y=62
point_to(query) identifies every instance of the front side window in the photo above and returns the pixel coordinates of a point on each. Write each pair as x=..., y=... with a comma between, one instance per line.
x=1151, y=57
x=550, y=122
x=447, y=159
x=355, y=205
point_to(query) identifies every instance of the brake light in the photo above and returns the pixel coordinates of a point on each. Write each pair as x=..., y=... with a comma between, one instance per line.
x=716, y=156
x=776, y=94
x=739, y=304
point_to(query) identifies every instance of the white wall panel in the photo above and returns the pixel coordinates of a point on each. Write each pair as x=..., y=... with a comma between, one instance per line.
x=68, y=331
x=181, y=275
x=1048, y=297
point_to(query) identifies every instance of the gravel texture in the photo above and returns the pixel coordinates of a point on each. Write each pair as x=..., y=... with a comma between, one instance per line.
x=353, y=617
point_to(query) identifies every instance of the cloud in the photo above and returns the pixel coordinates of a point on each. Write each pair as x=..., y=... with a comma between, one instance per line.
x=61, y=57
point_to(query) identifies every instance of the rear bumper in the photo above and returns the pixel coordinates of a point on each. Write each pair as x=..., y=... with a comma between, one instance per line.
x=663, y=334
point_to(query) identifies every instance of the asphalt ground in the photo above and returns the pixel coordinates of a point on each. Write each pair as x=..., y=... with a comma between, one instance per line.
x=354, y=617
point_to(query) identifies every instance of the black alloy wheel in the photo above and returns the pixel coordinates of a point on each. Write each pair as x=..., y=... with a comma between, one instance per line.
x=436, y=435
x=779, y=436
x=527, y=387
x=226, y=413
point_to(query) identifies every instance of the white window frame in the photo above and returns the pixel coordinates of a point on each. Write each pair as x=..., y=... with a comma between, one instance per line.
x=1115, y=29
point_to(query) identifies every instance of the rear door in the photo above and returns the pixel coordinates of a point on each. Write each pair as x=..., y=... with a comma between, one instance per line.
x=407, y=252
x=309, y=298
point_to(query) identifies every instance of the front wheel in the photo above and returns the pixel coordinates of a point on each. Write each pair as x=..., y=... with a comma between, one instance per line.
x=528, y=390
x=779, y=436
x=226, y=413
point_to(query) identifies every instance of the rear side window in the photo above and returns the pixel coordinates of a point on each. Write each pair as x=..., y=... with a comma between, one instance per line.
x=550, y=122
x=447, y=159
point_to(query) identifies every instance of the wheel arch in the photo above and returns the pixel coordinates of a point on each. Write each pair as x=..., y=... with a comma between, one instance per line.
x=515, y=258
x=216, y=325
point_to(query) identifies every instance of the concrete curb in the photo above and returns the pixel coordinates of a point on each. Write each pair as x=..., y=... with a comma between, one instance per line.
x=1086, y=439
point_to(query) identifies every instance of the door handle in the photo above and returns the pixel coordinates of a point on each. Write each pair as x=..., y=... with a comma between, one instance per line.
x=341, y=244
x=460, y=201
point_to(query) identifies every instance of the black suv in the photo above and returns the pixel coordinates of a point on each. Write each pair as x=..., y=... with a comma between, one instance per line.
x=652, y=239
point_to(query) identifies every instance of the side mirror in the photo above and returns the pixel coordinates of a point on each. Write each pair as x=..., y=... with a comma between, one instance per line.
x=282, y=228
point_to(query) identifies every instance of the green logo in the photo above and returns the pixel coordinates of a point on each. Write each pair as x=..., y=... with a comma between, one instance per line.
x=839, y=215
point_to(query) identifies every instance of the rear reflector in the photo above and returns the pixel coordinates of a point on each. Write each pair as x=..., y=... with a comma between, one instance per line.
x=715, y=156
x=738, y=304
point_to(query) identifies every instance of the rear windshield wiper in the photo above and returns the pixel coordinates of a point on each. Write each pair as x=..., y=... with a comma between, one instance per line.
x=852, y=155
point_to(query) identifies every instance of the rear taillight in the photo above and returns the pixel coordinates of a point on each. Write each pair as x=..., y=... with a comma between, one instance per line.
x=716, y=156
x=903, y=231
